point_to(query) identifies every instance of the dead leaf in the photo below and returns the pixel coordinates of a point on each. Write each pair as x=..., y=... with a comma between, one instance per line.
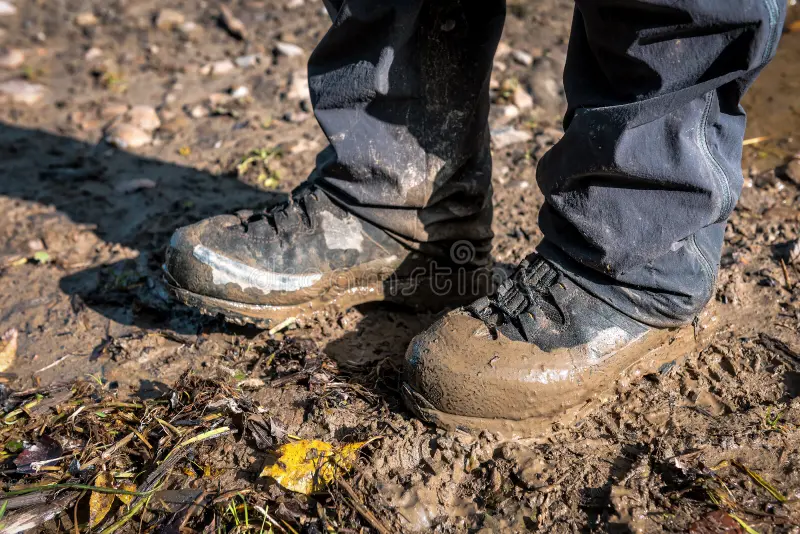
x=100, y=503
x=717, y=522
x=307, y=466
x=8, y=349
x=126, y=485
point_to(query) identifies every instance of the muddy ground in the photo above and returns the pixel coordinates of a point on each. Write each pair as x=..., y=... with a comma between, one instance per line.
x=88, y=206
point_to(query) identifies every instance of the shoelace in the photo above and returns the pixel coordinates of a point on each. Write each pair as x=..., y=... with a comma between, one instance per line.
x=298, y=200
x=520, y=298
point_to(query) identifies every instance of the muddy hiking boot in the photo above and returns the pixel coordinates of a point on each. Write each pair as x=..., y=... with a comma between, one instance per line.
x=535, y=353
x=304, y=256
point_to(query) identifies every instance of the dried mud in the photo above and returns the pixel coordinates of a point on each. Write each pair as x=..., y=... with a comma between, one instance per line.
x=652, y=458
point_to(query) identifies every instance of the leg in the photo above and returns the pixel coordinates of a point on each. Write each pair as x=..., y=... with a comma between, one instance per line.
x=401, y=90
x=637, y=193
x=640, y=187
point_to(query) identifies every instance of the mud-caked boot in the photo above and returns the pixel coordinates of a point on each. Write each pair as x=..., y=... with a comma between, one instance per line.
x=540, y=351
x=304, y=256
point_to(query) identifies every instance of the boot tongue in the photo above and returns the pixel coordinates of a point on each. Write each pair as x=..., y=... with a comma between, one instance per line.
x=526, y=292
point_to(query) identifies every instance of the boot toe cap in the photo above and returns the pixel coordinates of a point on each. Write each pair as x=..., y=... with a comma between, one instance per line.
x=461, y=368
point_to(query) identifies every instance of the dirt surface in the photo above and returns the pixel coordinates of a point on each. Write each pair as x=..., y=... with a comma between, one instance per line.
x=93, y=182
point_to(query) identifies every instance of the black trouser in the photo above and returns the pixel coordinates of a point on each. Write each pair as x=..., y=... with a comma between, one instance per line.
x=637, y=191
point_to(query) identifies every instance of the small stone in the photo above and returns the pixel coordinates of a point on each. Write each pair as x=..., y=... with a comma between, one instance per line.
x=503, y=137
x=218, y=68
x=144, y=118
x=216, y=100
x=113, y=110
x=510, y=112
x=288, y=49
x=12, y=58
x=502, y=49
x=792, y=170
x=92, y=54
x=198, y=112
x=190, y=29
x=296, y=117
x=86, y=19
x=128, y=136
x=7, y=9
x=240, y=92
x=234, y=26
x=22, y=92
x=522, y=57
x=521, y=98
x=298, y=86
x=248, y=62
x=131, y=186
x=169, y=19
x=294, y=4
x=305, y=145
x=499, y=66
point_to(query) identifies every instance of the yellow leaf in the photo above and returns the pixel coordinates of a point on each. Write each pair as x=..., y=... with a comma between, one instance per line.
x=126, y=485
x=308, y=465
x=8, y=349
x=100, y=503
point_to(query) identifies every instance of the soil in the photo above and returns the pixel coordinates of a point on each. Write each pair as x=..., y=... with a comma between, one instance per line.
x=85, y=225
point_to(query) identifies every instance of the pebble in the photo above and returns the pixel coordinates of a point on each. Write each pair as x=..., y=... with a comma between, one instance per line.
x=298, y=86
x=521, y=98
x=234, y=26
x=198, y=112
x=216, y=100
x=294, y=4
x=296, y=117
x=793, y=170
x=304, y=145
x=248, y=62
x=128, y=136
x=218, y=68
x=12, y=58
x=92, y=54
x=288, y=49
x=22, y=92
x=113, y=110
x=190, y=29
x=793, y=252
x=522, y=57
x=502, y=49
x=143, y=117
x=510, y=112
x=499, y=66
x=240, y=92
x=169, y=19
x=86, y=19
x=7, y=9
x=503, y=137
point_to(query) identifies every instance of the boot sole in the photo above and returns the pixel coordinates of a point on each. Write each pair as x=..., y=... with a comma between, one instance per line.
x=419, y=294
x=630, y=363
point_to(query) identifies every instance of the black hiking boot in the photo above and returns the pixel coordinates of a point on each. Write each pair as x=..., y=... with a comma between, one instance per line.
x=305, y=256
x=532, y=355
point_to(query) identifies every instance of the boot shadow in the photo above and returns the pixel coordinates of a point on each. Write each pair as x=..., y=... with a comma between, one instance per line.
x=127, y=201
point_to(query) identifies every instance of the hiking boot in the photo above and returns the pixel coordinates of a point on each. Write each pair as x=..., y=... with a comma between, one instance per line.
x=305, y=256
x=540, y=351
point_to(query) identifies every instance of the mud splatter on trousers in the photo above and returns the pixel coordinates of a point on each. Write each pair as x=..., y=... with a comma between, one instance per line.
x=637, y=192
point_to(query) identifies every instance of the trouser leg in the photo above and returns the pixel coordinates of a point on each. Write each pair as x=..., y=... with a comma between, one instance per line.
x=639, y=189
x=401, y=90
